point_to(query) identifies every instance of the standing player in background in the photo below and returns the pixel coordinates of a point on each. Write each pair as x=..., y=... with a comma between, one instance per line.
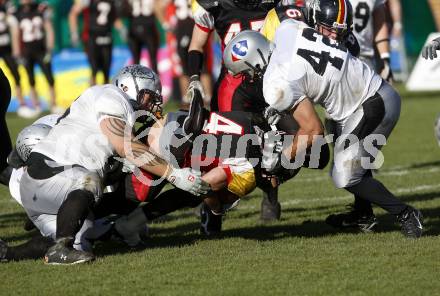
x=175, y=16
x=371, y=30
x=227, y=18
x=143, y=30
x=6, y=146
x=99, y=18
x=37, y=39
x=9, y=51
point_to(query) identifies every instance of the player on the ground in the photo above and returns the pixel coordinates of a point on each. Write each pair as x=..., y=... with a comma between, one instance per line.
x=371, y=30
x=308, y=68
x=227, y=18
x=65, y=170
x=99, y=17
x=38, y=40
x=9, y=51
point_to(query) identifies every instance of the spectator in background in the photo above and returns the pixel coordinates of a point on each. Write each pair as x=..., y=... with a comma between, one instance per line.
x=142, y=29
x=37, y=39
x=176, y=17
x=9, y=50
x=99, y=16
x=371, y=30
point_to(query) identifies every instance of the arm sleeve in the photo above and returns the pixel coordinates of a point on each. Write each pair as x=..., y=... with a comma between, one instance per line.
x=203, y=19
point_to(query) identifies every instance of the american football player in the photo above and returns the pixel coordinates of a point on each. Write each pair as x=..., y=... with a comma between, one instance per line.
x=308, y=68
x=99, y=18
x=37, y=37
x=372, y=32
x=142, y=30
x=65, y=170
x=9, y=50
x=227, y=18
x=6, y=147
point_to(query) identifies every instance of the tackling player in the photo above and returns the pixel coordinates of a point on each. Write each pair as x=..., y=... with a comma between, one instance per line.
x=99, y=18
x=308, y=68
x=227, y=18
x=65, y=170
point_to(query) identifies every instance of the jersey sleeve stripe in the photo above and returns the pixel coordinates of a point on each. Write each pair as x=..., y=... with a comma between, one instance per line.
x=342, y=12
x=204, y=29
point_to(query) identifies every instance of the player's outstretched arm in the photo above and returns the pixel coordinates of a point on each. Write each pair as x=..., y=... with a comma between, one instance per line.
x=140, y=155
x=75, y=11
x=310, y=127
x=430, y=50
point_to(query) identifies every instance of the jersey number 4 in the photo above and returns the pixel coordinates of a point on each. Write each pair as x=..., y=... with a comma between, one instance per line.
x=320, y=60
x=219, y=124
x=236, y=28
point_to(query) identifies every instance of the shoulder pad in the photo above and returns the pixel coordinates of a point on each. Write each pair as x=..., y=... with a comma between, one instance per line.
x=207, y=4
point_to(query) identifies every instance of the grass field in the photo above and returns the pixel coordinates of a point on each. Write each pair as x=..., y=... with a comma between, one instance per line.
x=299, y=255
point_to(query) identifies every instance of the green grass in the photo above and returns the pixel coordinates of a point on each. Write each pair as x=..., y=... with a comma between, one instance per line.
x=299, y=255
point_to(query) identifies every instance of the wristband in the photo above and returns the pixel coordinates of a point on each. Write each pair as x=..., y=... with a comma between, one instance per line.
x=385, y=55
x=195, y=62
x=382, y=40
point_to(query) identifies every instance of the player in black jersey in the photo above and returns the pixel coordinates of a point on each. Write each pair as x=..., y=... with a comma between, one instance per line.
x=227, y=18
x=143, y=30
x=99, y=16
x=9, y=47
x=37, y=39
x=6, y=146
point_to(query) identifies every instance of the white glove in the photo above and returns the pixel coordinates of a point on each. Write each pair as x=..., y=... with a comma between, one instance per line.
x=386, y=72
x=272, y=115
x=194, y=83
x=273, y=147
x=189, y=180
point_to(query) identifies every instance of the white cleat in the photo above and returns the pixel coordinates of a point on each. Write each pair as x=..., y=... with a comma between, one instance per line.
x=27, y=112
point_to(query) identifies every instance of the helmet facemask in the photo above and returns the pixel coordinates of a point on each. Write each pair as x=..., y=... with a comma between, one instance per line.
x=149, y=101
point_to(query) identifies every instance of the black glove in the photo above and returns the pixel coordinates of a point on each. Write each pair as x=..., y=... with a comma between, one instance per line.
x=386, y=72
x=429, y=51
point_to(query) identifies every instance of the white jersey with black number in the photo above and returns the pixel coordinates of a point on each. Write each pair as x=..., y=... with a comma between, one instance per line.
x=305, y=64
x=77, y=138
x=363, y=25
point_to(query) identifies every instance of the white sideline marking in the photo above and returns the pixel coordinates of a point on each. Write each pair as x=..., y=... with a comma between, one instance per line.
x=346, y=197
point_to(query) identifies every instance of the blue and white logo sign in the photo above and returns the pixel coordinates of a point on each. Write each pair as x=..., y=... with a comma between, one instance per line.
x=239, y=50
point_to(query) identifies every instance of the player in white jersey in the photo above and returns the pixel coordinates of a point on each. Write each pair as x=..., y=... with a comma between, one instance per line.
x=371, y=30
x=65, y=171
x=308, y=68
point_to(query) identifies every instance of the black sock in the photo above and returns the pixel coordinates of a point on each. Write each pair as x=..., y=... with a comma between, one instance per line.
x=73, y=212
x=374, y=191
x=170, y=201
x=270, y=194
x=35, y=248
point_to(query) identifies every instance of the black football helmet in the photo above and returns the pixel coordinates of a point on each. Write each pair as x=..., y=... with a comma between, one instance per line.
x=334, y=15
x=247, y=4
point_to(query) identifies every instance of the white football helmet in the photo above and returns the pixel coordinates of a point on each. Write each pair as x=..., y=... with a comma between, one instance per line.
x=247, y=53
x=29, y=137
x=136, y=81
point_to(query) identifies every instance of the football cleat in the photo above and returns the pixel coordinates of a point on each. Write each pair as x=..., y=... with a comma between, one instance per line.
x=270, y=207
x=411, y=222
x=353, y=219
x=62, y=253
x=3, y=251
x=210, y=224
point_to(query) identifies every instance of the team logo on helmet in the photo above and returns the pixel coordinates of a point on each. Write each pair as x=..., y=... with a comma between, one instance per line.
x=239, y=50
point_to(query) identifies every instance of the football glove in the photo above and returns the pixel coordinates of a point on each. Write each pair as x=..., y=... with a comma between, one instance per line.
x=194, y=83
x=272, y=115
x=386, y=72
x=430, y=50
x=273, y=147
x=189, y=180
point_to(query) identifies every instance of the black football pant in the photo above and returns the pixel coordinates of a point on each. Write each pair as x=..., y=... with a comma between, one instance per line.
x=5, y=99
x=151, y=41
